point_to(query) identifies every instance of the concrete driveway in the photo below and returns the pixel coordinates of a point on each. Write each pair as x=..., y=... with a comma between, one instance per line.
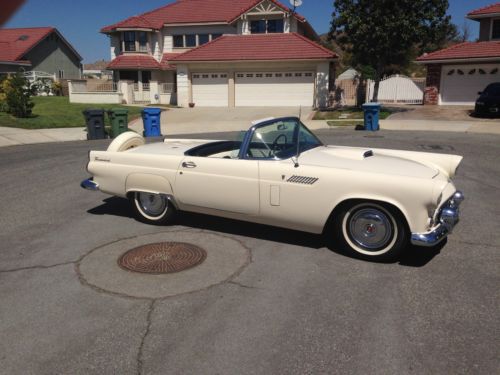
x=294, y=307
x=213, y=119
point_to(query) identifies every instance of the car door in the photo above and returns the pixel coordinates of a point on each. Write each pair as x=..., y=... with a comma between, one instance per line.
x=217, y=183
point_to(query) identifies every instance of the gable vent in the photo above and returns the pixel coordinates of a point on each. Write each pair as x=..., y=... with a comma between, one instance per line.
x=302, y=180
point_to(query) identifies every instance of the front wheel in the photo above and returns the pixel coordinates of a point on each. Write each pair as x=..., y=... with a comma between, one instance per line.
x=372, y=231
x=153, y=208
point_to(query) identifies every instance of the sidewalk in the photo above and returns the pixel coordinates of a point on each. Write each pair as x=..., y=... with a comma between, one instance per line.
x=15, y=136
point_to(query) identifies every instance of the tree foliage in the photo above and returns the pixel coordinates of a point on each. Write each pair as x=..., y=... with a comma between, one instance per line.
x=382, y=34
x=18, y=92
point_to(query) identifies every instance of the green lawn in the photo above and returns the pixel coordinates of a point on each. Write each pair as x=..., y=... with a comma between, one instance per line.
x=349, y=113
x=58, y=112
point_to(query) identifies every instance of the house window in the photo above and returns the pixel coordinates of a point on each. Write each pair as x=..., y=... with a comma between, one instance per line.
x=60, y=73
x=258, y=27
x=191, y=40
x=268, y=75
x=240, y=75
x=178, y=41
x=203, y=38
x=215, y=36
x=308, y=74
x=495, y=32
x=142, y=36
x=223, y=75
x=266, y=26
x=129, y=41
x=196, y=76
x=288, y=74
x=275, y=26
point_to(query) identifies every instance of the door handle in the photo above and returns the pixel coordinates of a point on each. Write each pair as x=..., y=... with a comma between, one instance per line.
x=188, y=164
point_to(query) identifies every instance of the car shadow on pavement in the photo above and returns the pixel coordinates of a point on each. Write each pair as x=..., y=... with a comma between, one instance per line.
x=115, y=206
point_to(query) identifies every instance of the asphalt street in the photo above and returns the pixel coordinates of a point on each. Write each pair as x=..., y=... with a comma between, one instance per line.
x=295, y=307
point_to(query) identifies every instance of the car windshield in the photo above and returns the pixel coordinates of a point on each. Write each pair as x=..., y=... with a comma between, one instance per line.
x=493, y=89
x=280, y=139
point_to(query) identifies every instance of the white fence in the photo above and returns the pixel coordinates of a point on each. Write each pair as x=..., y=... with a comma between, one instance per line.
x=81, y=91
x=398, y=89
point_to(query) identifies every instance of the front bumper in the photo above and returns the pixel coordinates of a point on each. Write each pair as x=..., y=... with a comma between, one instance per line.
x=90, y=184
x=448, y=217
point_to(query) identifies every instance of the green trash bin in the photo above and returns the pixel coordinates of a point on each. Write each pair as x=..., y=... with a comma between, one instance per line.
x=119, y=121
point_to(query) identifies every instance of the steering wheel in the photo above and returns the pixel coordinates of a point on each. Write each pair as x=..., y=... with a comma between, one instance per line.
x=274, y=146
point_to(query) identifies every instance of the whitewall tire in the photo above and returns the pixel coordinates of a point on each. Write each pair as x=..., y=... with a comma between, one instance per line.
x=371, y=230
x=153, y=208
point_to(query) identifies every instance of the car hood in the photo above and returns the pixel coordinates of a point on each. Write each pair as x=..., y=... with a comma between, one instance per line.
x=382, y=161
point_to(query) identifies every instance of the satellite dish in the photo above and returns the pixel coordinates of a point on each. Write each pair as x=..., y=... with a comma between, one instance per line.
x=296, y=3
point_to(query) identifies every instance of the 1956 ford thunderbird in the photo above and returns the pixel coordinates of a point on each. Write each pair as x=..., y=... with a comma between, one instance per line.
x=372, y=202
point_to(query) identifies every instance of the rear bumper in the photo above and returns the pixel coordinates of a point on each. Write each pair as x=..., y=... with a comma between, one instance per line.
x=448, y=217
x=90, y=184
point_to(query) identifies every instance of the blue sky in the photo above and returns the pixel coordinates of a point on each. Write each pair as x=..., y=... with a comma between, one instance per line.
x=80, y=21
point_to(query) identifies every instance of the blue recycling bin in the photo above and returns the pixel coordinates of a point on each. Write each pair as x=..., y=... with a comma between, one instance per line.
x=151, y=121
x=371, y=116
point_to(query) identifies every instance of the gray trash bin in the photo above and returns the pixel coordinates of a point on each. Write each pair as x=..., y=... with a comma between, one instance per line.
x=94, y=118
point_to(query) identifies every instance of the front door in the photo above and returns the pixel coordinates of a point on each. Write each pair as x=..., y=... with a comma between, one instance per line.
x=216, y=183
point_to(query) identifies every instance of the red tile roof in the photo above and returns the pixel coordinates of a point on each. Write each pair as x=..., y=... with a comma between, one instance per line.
x=490, y=9
x=257, y=47
x=134, y=62
x=192, y=11
x=15, y=43
x=165, y=61
x=466, y=50
x=12, y=48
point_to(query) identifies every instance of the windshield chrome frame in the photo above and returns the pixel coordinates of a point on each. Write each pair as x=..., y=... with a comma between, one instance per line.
x=249, y=134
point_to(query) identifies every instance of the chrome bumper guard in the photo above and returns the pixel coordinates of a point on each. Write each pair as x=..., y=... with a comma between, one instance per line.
x=90, y=184
x=448, y=217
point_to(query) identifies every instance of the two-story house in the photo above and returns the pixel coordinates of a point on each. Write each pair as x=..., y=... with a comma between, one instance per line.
x=224, y=53
x=41, y=49
x=456, y=74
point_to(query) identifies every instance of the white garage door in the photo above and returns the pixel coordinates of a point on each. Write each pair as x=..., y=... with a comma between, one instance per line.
x=210, y=89
x=461, y=83
x=274, y=89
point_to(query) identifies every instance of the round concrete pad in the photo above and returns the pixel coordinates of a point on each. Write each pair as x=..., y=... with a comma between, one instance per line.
x=225, y=258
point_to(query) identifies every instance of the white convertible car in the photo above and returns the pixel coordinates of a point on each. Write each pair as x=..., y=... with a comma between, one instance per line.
x=373, y=202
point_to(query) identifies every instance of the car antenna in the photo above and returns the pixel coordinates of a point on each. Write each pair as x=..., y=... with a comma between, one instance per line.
x=300, y=112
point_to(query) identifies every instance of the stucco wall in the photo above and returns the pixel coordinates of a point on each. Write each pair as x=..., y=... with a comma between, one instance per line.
x=52, y=55
x=96, y=98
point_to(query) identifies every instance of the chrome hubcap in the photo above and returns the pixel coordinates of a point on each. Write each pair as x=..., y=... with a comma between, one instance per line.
x=152, y=204
x=370, y=228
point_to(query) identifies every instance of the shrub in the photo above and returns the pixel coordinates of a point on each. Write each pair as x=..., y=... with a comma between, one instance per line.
x=18, y=94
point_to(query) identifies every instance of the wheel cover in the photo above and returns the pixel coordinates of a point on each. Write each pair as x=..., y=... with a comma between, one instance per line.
x=152, y=204
x=370, y=228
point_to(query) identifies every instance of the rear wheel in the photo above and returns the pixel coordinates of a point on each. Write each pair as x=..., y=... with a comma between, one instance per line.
x=372, y=231
x=153, y=208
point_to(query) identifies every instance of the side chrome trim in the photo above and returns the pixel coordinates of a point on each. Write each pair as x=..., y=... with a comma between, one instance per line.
x=90, y=184
x=448, y=218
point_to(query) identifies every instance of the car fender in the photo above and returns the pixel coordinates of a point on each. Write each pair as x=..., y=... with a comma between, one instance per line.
x=411, y=220
x=149, y=183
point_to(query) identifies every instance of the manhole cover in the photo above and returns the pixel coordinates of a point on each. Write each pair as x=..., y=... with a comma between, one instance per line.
x=163, y=257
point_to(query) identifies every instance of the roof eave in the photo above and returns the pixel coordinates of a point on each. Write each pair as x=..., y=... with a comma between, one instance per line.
x=459, y=60
x=19, y=63
x=475, y=17
x=250, y=60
